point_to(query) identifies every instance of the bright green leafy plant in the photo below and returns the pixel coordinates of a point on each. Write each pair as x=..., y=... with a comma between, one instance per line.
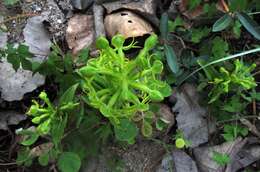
x=120, y=87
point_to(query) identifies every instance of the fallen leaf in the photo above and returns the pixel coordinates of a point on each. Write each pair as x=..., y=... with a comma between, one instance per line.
x=14, y=84
x=166, y=115
x=36, y=37
x=80, y=32
x=177, y=161
x=10, y=118
x=191, y=117
x=190, y=14
x=126, y=23
x=41, y=149
x=204, y=155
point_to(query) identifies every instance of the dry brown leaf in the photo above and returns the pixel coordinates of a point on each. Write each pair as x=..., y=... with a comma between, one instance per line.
x=80, y=32
x=166, y=115
x=191, y=14
x=126, y=23
x=41, y=149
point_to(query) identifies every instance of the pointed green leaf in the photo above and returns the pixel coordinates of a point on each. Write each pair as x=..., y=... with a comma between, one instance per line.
x=171, y=59
x=69, y=95
x=30, y=137
x=250, y=25
x=222, y=23
x=69, y=162
x=126, y=131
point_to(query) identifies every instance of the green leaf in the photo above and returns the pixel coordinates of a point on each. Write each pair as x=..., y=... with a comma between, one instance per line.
x=237, y=29
x=221, y=159
x=171, y=59
x=30, y=137
x=69, y=162
x=222, y=23
x=238, y=5
x=250, y=25
x=69, y=95
x=198, y=33
x=172, y=25
x=83, y=56
x=147, y=129
x=219, y=47
x=126, y=131
x=57, y=130
x=160, y=125
x=164, y=26
x=43, y=159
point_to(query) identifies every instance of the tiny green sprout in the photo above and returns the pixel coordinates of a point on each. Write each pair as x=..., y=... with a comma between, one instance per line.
x=180, y=143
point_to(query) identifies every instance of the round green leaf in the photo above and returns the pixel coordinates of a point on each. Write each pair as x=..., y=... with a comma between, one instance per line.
x=69, y=162
x=126, y=131
x=222, y=23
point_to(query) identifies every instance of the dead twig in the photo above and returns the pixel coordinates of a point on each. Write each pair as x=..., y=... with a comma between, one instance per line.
x=250, y=126
x=19, y=17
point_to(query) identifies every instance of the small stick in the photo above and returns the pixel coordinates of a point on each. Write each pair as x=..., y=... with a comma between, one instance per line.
x=19, y=17
x=250, y=126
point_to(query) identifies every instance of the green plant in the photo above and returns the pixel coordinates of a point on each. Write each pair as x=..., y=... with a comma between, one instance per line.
x=168, y=51
x=221, y=159
x=237, y=13
x=231, y=132
x=17, y=56
x=120, y=87
x=224, y=81
x=180, y=141
x=51, y=121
